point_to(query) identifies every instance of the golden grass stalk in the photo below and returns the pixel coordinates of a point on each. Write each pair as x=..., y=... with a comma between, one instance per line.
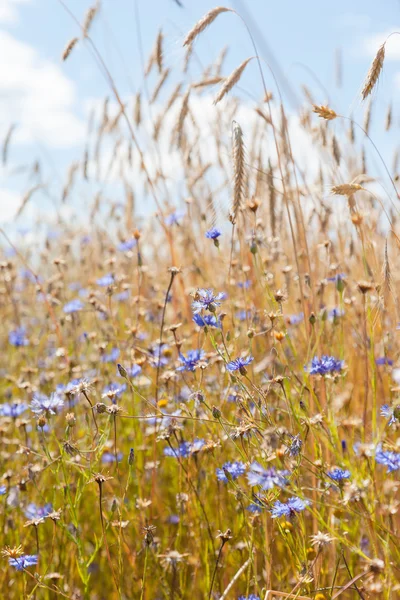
x=367, y=117
x=159, y=85
x=231, y=80
x=239, y=173
x=137, y=110
x=336, y=150
x=28, y=195
x=159, y=51
x=69, y=47
x=203, y=24
x=324, y=112
x=6, y=143
x=263, y=115
x=182, y=116
x=89, y=18
x=346, y=189
x=388, y=122
x=374, y=72
x=207, y=82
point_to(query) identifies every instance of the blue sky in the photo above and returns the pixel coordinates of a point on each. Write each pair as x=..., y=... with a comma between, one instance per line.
x=49, y=99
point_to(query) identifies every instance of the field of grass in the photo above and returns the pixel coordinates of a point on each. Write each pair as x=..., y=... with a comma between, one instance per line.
x=204, y=402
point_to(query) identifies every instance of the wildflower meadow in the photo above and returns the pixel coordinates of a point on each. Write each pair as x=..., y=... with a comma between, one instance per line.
x=201, y=400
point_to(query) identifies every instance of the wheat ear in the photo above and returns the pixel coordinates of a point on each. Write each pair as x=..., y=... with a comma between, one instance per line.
x=203, y=24
x=231, y=80
x=374, y=72
x=239, y=173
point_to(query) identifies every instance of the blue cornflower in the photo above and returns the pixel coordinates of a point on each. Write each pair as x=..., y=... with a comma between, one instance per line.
x=3, y=490
x=184, y=449
x=388, y=458
x=109, y=457
x=207, y=300
x=337, y=278
x=335, y=313
x=242, y=315
x=174, y=218
x=190, y=363
x=127, y=245
x=295, y=446
x=256, y=506
x=111, y=357
x=73, y=306
x=251, y=597
x=295, y=319
x=234, y=469
x=157, y=355
x=391, y=412
x=213, y=233
x=266, y=478
x=207, y=321
x=244, y=285
x=13, y=409
x=173, y=519
x=324, y=365
x=18, y=338
x=46, y=404
x=122, y=296
x=33, y=512
x=134, y=370
x=383, y=360
x=23, y=562
x=339, y=475
x=239, y=364
x=290, y=508
x=106, y=280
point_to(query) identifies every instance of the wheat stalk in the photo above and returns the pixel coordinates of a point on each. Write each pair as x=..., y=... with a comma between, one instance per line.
x=231, y=80
x=203, y=24
x=207, y=82
x=374, y=72
x=324, y=112
x=159, y=85
x=90, y=15
x=346, y=189
x=6, y=143
x=239, y=173
x=336, y=150
x=182, y=116
x=159, y=51
x=69, y=47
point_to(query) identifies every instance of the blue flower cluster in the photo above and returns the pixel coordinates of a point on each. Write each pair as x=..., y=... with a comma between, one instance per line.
x=289, y=509
x=391, y=412
x=324, y=365
x=46, y=404
x=17, y=337
x=234, y=469
x=390, y=459
x=266, y=478
x=190, y=362
x=23, y=562
x=339, y=475
x=207, y=300
x=239, y=364
x=207, y=321
x=73, y=306
x=184, y=449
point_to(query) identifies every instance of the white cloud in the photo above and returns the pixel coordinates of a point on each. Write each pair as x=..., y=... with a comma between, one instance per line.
x=372, y=43
x=9, y=10
x=35, y=94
